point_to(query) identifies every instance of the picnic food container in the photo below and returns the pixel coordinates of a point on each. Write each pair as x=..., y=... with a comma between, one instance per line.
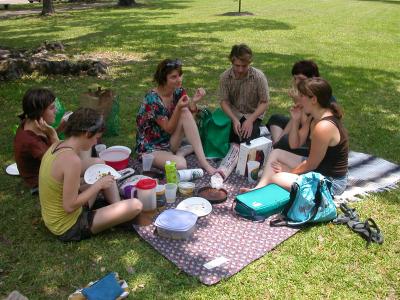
x=146, y=193
x=116, y=157
x=186, y=188
x=213, y=195
x=176, y=224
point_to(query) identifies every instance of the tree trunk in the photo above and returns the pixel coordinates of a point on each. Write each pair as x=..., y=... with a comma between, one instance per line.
x=126, y=2
x=240, y=6
x=48, y=7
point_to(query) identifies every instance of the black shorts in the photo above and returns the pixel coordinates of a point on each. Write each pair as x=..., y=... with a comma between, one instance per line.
x=277, y=120
x=81, y=229
x=283, y=144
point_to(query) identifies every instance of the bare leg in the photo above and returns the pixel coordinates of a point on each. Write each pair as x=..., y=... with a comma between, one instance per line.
x=188, y=125
x=185, y=150
x=112, y=194
x=160, y=157
x=286, y=159
x=284, y=179
x=276, y=133
x=115, y=214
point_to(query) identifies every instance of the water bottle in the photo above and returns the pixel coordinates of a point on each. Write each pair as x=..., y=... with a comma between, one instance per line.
x=170, y=172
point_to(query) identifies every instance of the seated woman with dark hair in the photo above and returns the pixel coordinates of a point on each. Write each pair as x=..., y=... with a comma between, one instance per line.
x=329, y=141
x=34, y=135
x=165, y=118
x=66, y=212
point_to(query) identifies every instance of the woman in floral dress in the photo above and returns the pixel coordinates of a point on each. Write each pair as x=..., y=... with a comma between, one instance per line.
x=165, y=117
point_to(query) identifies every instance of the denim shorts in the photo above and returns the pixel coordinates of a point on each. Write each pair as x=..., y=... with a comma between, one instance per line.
x=338, y=184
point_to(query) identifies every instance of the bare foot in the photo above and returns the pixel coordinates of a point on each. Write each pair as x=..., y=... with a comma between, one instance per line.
x=211, y=170
x=244, y=190
x=185, y=150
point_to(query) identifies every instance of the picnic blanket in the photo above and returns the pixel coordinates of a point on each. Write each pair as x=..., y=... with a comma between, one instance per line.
x=368, y=174
x=222, y=234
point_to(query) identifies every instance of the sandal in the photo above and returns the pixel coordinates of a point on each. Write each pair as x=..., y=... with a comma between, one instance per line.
x=349, y=214
x=368, y=230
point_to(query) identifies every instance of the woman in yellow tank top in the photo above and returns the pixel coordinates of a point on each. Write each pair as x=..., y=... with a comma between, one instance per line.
x=65, y=210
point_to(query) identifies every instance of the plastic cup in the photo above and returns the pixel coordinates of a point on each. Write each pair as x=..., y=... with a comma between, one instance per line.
x=252, y=170
x=147, y=160
x=99, y=148
x=170, y=192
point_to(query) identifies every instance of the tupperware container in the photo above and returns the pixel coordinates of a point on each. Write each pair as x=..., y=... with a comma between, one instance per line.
x=176, y=224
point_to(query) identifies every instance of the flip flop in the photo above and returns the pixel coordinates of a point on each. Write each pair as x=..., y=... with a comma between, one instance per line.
x=368, y=230
x=349, y=214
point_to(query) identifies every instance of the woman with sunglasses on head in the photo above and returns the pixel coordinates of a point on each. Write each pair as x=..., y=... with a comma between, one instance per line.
x=329, y=140
x=165, y=118
x=65, y=210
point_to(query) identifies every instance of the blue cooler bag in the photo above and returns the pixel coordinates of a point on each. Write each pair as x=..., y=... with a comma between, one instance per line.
x=259, y=204
x=311, y=201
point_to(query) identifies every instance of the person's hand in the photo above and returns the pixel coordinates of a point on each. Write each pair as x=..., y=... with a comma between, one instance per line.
x=200, y=93
x=237, y=127
x=247, y=129
x=183, y=102
x=45, y=128
x=296, y=112
x=105, y=182
x=276, y=166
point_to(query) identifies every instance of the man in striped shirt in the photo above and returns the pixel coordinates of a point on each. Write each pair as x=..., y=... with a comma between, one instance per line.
x=243, y=94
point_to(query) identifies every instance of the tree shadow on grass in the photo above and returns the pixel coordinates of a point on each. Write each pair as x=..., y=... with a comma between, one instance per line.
x=382, y=1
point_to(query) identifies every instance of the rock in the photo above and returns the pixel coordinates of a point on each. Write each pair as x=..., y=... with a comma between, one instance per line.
x=15, y=295
x=14, y=63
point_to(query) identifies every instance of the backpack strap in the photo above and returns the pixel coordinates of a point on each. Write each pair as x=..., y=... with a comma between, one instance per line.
x=282, y=220
x=317, y=200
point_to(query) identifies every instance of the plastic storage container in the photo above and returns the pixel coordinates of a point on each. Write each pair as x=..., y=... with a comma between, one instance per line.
x=176, y=224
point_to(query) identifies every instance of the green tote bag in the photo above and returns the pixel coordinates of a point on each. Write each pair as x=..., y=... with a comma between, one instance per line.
x=214, y=129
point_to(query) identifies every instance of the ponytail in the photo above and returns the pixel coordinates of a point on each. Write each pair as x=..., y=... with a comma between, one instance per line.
x=336, y=110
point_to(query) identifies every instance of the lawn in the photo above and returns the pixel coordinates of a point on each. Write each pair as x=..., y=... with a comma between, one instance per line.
x=356, y=45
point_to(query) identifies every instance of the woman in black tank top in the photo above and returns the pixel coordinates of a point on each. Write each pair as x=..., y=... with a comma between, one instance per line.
x=329, y=140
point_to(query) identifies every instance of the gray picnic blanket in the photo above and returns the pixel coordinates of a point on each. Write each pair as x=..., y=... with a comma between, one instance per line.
x=368, y=174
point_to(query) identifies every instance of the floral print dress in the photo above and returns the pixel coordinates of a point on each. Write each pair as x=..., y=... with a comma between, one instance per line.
x=150, y=136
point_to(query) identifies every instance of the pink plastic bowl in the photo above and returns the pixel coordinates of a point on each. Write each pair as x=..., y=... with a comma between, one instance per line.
x=116, y=157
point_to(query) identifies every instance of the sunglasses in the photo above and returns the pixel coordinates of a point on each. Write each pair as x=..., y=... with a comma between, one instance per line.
x=175, y=63
x=98, y=127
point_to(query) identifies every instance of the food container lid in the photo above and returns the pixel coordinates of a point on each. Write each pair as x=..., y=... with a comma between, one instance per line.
x=186, y=185
x=146, y=184
x=176, y=220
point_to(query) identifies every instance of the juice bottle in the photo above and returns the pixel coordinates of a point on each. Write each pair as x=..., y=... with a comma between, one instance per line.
x=170, y=172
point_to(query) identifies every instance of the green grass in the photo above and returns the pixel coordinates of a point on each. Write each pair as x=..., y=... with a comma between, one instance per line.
x=355, y=43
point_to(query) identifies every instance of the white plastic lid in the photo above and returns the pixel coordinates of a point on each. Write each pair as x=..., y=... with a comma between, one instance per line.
x=176, y=220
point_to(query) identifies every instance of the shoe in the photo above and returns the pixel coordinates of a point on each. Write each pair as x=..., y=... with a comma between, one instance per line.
x=368, y=230
x=349, y=214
